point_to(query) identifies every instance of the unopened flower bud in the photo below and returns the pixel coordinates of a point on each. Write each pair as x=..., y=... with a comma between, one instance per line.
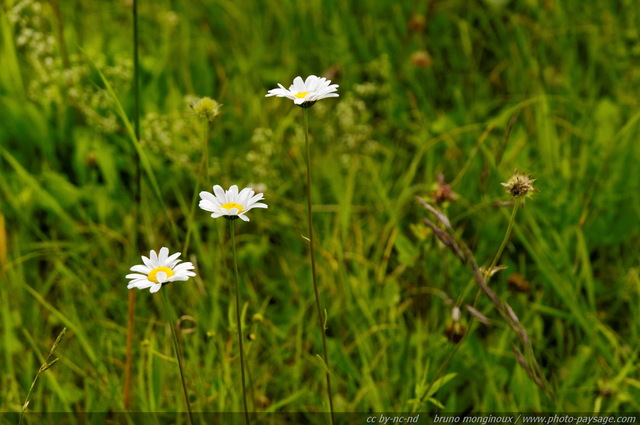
x=421, y=59
x=455, y=331
x=417, y=23
x=206, y=108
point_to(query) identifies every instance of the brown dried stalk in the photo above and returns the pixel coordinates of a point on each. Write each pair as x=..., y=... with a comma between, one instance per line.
x=462, y=251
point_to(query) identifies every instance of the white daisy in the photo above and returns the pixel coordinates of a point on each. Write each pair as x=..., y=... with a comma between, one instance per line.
x=306, y=93
x=230, y=204
x=159, y=270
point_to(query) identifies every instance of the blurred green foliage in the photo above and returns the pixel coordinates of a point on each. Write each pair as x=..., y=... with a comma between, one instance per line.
x=426, y=88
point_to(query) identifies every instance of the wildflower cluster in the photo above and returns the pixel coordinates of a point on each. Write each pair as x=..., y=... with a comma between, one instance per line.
x=31, y=31
x=63, y=80
x=170, y=135
x=260, y=157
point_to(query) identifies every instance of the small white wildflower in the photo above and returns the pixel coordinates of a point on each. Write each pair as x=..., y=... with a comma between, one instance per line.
x=230, y=204
x=158, y=270
x=306, y=93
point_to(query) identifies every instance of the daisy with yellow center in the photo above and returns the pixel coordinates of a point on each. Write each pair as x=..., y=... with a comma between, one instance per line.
x=158, y=270
x=306, y=93
x=230, y=204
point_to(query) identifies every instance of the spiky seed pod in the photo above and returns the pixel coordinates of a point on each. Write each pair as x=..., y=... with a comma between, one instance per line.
x=520, y=186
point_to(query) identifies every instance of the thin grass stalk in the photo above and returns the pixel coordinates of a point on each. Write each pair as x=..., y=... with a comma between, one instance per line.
x=46, y=365
x=489, y=272
x=313, y=262
x=505, y=240
x=129, y=349
x=239, y=321
x=55, y=4
x=136, y=208
x=176, y=346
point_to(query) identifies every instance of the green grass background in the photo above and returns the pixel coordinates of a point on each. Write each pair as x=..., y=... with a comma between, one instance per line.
x=569, y=70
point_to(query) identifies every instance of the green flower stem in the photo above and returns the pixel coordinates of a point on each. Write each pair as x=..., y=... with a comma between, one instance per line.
x=176, y=346
x=239, y=320
x=488, y=273
x=313, y=262
x=507, y=235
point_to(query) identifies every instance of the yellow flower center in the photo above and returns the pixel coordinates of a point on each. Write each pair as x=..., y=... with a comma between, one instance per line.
x=152, y=274
x=231, y=205
x=301, y=95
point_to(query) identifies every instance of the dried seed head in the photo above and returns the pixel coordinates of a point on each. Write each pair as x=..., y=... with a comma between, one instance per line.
x=520, y=186
x=516, y=282
x=421, y=59
x=454, y=332
x=206, y=108
x=605, y=389
x=417, y=23
x=442, y=192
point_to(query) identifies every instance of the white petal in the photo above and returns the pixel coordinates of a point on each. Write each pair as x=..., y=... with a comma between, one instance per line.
x=164, y=253
x=183, y=267
x=298, y=85
x=208, y=206
x=255, y=199
x=219, y=191
x=244, y=194
x=178, y=278
x=232, y=193
x=140, y=284
x=140, y=269
x=244, y=217
x=137, y=282
x=161, y=277
x=153, y=257
x=172, y=260
x=147, y=262
x=259, y=205
x=310, y=83
x=136, y=276
x=155, y=288
x=208, y=196
x=281, y=92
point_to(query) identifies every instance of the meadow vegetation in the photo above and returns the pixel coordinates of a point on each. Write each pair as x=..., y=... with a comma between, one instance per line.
x=466, y=90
